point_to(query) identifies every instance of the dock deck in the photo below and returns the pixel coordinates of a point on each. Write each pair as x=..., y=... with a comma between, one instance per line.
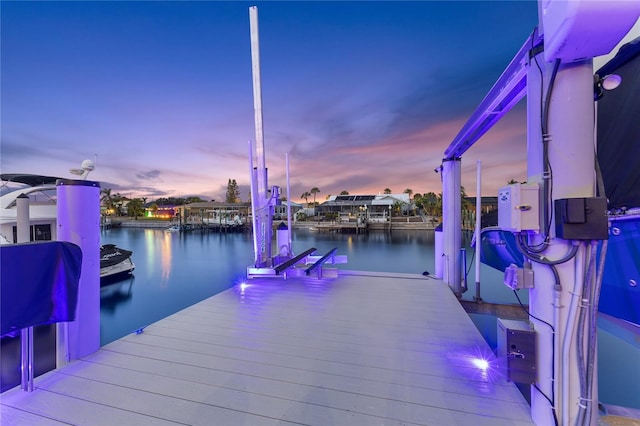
x=363, y=349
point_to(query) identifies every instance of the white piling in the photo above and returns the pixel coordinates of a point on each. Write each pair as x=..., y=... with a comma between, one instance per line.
x=78, y=208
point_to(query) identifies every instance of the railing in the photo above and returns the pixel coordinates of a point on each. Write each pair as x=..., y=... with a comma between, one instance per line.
x=289, y=263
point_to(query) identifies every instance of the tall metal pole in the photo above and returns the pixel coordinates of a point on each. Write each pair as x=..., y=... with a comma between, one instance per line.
x=478, y=226
x=289, y=206
x=254, y=203
x=257, y=98
x=264, y=227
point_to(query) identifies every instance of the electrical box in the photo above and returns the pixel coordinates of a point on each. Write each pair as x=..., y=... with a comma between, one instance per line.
x=518, y=208
x=517, y=278
x=581, y=218
x=580, y=29
x=517, y=351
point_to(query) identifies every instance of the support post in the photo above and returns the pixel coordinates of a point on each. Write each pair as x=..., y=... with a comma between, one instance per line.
x=78, y=210
x=477, y=297
x=439, y=252
x=571, y=156
x=23, y=231
x=289, y=240
x=451, y=223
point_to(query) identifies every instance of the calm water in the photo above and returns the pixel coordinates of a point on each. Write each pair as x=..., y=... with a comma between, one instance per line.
x=175, y=270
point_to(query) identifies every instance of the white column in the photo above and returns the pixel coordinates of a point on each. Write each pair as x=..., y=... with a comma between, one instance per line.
x=571, y=155
x=451, y=223
x=23, y=223
x=23, y=231
x=78, y=208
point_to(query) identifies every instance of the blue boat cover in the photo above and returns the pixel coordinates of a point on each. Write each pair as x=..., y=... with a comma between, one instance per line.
x=620, y=293
x=38, y=284
x=498, y=249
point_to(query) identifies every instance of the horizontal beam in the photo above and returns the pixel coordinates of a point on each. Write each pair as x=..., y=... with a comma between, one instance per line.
x=286, y=265
x=505, y=93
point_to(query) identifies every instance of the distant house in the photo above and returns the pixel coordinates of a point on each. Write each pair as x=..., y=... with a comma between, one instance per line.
x=162, y=212
x=370, y=205
x=214, y=212
x=280, y=211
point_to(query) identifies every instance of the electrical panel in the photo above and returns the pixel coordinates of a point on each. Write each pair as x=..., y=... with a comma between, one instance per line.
x=518, y=208
x=517, y=351
x=517, y=278
x=581, y=218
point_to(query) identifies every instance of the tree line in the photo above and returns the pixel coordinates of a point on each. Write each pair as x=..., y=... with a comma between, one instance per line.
x=430, y=202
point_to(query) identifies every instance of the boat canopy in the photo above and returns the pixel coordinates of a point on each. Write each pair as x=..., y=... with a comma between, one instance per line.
x=619, y=129
x=31, y=180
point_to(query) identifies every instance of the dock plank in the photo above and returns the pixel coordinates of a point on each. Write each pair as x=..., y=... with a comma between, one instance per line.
x=360, y=349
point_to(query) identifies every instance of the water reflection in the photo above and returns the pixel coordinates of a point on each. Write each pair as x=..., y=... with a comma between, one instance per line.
x=111, y=295
x=165, y=259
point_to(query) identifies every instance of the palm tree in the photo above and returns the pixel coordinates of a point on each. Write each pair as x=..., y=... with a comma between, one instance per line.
x=314, y=191
x=106, y=199
x=408, y=191
x=118, y=200
x=344, y=193
x=305, y=195
x=135, y=208
x=387, y=191
x=432, y=204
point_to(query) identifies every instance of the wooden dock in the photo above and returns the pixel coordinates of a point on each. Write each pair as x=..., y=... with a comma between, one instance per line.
x=362, y=349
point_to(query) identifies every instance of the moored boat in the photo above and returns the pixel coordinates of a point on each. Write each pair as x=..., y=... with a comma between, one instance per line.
x=115, y=264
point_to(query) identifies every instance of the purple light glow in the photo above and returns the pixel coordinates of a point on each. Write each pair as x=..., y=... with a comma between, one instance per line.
x=480, y=363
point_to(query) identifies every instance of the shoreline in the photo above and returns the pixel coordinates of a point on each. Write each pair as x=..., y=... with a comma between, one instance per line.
x=398, y=225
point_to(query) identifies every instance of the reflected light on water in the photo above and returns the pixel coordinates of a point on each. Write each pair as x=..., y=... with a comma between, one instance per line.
x=165, y=260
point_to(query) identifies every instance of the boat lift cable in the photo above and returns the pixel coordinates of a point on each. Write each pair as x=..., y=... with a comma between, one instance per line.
x=473, y=258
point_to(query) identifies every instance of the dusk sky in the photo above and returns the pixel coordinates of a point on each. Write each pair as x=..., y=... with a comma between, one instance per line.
x=362, y=95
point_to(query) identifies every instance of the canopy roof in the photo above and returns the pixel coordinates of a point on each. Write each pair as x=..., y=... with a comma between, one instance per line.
x=31, y=180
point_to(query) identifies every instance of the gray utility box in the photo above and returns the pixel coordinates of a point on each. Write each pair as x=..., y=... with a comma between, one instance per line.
x=517, y=351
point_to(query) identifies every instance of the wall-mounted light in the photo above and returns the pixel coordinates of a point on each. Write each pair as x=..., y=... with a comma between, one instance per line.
x=608, y=82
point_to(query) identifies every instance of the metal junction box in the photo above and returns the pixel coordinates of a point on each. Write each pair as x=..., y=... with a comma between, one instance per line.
x=517, y=351
x=581, y=218
x=518, y=208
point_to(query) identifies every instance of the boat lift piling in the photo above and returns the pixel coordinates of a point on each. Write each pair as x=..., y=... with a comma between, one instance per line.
x=262, y=203
x=261, y=210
